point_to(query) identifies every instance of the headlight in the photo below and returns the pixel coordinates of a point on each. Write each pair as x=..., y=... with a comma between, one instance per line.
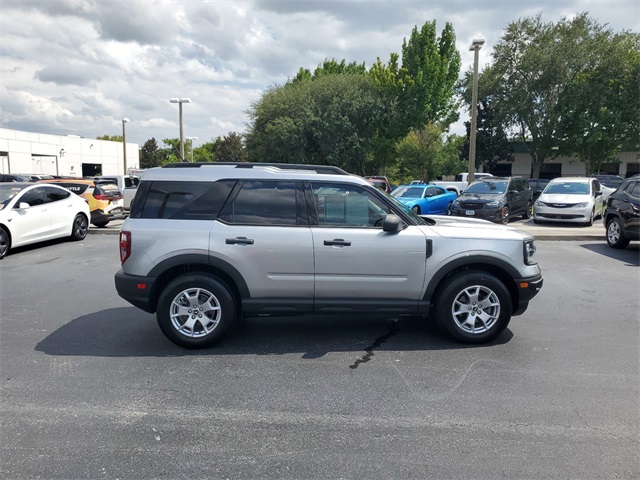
x=456, y=203
x=581, y=205
x=539, y=203
x=529, y=251
x=495, y=203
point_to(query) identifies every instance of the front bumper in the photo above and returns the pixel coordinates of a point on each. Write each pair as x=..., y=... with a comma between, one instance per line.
x=486, y=213
x=569, y=214
x=527, y=289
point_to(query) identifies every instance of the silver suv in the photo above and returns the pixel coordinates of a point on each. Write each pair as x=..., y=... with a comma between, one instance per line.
x=205, y=243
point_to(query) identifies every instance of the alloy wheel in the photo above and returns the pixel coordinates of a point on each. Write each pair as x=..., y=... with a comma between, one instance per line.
x=476, y=309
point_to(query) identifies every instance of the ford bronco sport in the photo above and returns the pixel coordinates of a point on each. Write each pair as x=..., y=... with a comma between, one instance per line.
x=207, y=242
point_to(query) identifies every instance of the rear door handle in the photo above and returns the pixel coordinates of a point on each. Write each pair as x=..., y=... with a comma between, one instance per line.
x=239, y=241
x=337, y=242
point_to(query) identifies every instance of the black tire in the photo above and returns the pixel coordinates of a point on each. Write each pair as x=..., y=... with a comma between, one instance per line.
x=528, y=211
x=5, y=243
x=615, y=234
x=589, y=222
x=101, y=224
x=80, y=227
x=504, y=215
x=536, y=221
x=416, y=209
x=485, y=300
x=204, y=299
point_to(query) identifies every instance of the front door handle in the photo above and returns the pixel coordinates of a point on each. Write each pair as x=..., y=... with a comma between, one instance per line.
x=239, y=241
x=337, y=242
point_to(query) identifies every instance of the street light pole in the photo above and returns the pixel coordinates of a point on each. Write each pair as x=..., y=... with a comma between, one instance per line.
x=124, y=143
x=191, y=139
x=476, y=45
x=180, y=101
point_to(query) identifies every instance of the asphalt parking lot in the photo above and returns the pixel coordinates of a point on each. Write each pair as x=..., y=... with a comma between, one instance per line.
x=90, y=388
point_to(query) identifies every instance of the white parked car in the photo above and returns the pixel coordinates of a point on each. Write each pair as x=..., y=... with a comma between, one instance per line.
x=31, y=213
x=569, y=199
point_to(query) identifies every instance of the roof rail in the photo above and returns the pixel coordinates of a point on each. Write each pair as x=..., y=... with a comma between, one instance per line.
x=328, y=169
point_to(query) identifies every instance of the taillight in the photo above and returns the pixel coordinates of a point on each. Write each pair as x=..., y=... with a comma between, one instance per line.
x=100, y=196
x=125, y=245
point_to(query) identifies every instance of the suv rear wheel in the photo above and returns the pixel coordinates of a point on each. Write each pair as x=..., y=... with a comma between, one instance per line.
x=196, y=311
x=474, y=307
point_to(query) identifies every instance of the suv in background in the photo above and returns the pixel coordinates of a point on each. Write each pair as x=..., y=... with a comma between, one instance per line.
x=205, y=243
x=622, y=213
x=496, y=199
x=380, y=182
x=127, y=184
x=104, y=198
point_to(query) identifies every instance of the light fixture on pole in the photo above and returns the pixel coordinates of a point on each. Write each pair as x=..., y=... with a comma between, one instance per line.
x=124, y=143
x=191, y=139
x=180, y=101
x=476, y=45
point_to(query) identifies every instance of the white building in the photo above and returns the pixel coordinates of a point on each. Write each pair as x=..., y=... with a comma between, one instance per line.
x=64, y=155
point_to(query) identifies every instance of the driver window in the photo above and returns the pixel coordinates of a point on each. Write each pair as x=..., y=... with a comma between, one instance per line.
x=347, y=206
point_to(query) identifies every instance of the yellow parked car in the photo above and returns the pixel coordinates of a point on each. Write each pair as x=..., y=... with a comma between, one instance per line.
x=104, y=199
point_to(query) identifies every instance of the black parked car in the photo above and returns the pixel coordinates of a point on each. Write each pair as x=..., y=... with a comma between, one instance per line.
x=496, y=199
x=622, y=213
x=537, y=186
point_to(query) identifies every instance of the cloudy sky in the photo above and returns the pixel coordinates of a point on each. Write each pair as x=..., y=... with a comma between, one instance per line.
x=78, y=67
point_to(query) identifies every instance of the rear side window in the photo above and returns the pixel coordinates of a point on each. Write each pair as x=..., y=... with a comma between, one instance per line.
x=131, y=182
x=263, y=203
x=181, y=200
x=55, y=194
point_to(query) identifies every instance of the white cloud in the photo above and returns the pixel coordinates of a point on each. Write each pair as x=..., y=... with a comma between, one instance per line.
x=80, y=66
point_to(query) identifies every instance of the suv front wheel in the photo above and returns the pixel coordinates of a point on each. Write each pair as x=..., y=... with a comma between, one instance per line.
x=473, y=307
x=196, y=311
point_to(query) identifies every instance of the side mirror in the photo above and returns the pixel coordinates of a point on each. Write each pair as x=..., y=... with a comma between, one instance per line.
x=23, y=206
x=392, y=223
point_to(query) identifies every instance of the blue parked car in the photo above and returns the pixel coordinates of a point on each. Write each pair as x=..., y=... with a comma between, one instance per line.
x=425, y=199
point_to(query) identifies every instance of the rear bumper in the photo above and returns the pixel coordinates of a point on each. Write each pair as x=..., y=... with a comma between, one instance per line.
x=136, y=290
x=527, y=289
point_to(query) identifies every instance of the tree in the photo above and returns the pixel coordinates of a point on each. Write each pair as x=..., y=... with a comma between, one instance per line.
x=231, y=149
x=538, y=84
x=330, y=67
x=602, y=107
x=419, y=153
x=425, y=83
x=151, y=155
x=492, y=143
x=334, y=119
x=111, y=138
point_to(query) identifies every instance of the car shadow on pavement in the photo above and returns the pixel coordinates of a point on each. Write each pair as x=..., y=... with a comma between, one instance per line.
x=630, y=255
x=127, y=332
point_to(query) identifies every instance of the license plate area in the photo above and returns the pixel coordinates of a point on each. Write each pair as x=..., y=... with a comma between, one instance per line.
x=470, y=212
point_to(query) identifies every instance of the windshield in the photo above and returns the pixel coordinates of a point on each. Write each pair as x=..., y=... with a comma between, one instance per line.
x=408, y=192
x=7, y=192
x=487, y=187
x=568, y=188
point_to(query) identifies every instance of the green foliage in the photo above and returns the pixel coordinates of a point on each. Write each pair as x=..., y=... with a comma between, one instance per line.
x=430, y=69
x=231, y=149
x=151, y=155
x=336, y=119
x=567, y=88
x=492, y=143
x=602, y=106
x=111, y=138
x=419, y=152
x=330, y=67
